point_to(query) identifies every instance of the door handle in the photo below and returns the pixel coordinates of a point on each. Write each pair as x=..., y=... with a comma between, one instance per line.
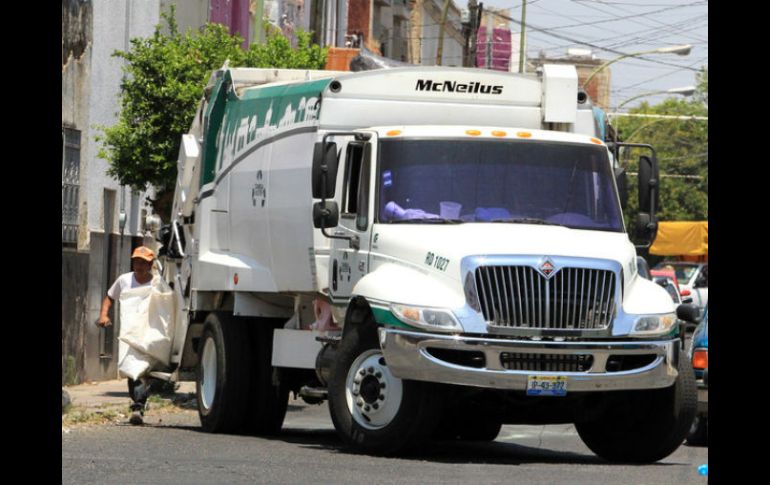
x=334, y=276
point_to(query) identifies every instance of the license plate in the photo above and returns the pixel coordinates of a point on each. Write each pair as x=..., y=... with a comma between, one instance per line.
x=546, y=386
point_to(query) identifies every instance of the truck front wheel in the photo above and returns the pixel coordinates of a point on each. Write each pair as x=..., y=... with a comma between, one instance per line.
x=643, y=426
x=372, y=410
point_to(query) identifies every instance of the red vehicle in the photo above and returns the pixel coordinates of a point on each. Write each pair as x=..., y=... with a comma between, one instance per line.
x=670, y=274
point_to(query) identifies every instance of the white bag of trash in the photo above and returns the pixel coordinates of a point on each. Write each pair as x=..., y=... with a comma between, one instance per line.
x=147, y=316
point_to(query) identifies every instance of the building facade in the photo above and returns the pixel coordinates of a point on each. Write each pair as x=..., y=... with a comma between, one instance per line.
x=101, y=220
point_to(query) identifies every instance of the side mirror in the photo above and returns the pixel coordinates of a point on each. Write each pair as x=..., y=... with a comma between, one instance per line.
x=649, y=185
x=324, y=169
x=646, y=229
x=326, y=214
x=621, y=179
x=688, y=313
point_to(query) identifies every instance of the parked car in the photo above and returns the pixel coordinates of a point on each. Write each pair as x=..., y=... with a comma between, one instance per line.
x=692, y=278
x=699, y=356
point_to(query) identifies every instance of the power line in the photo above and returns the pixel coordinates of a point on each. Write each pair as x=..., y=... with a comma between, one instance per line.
x=594, y=46
x=644, y=22
x=616, y=19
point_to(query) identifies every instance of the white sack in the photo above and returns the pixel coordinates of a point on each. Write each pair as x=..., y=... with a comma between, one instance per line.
x=147, y=316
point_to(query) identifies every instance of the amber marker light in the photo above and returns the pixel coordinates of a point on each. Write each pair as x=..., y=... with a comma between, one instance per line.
x=524, y=134
x=597, y=141
x=472, y=132
x=393, y=133
x=412, y=314
x=499, y=133
x=700, y=359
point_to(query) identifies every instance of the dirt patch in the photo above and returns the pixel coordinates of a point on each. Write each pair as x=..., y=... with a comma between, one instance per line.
x=74, y=416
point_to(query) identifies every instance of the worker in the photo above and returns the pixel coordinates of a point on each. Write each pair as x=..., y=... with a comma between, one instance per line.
x=141, y=261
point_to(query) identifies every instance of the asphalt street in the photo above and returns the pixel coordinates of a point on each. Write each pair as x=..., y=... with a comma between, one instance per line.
x=171, y=448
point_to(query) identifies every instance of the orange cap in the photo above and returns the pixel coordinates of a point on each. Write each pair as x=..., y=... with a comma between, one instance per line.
x=144, y=253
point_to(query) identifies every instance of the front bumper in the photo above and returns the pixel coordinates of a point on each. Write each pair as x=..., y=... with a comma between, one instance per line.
x=407, y=355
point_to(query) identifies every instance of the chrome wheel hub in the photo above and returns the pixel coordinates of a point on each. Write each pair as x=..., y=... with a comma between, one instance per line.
x=373, y=394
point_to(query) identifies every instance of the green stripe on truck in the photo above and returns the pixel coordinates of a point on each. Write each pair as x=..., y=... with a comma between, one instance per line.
x=385, y=317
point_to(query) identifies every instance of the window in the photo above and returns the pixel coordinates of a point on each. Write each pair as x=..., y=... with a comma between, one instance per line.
x=356, y=187
x=353, y=160
x=362, y=219
x=70, y=186
x=467, y=181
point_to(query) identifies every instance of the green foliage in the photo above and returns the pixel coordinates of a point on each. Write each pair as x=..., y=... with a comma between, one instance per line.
x=682, y=149
x=164, y=78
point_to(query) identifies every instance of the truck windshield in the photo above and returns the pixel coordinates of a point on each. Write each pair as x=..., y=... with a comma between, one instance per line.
x=530, y=182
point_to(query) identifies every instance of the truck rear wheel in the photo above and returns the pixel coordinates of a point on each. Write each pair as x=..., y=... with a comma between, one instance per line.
x=267, y=402
x=371, y=409
x=644, y=426
x=222, y=381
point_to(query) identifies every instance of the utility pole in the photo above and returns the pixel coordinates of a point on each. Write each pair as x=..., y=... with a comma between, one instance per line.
x=440, y=48
x=475, y=34
x=470, y=28
x=522, y=50
x=316, y=22
x=416, y=32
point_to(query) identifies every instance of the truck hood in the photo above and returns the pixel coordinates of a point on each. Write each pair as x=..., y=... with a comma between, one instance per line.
x=422, y=264
x=427, y=247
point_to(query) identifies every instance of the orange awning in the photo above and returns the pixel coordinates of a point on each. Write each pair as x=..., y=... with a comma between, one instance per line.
x=681, y=239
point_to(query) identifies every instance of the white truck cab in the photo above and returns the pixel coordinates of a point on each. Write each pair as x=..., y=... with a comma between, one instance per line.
x=436, y=251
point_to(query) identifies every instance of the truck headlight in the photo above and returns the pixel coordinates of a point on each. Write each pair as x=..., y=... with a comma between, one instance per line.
x=650, y=325
x=429, y=318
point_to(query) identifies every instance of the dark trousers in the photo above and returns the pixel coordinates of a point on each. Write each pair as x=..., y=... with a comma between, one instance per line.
x=138, y=390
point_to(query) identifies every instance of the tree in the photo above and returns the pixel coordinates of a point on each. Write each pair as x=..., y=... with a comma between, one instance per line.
x=164, y=79
x=682, y=150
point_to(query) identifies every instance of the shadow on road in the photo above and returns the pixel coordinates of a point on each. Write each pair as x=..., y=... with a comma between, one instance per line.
x=496, y=452
x=450, y=452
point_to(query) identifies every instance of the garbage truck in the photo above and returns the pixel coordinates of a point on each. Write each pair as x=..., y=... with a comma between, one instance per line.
x=432, y=251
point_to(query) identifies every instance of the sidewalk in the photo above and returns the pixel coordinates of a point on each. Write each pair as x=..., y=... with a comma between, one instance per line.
x=107, y=393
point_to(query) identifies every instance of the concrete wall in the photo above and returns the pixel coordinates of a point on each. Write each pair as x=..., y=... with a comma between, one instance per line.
x=115, y=22
x=74, y=283
x=190, y=14
x=452, y=51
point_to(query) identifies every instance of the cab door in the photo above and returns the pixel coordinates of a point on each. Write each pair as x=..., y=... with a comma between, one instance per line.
x=349, y=262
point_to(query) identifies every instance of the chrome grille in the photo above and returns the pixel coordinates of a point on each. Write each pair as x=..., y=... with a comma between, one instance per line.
x=520, y=297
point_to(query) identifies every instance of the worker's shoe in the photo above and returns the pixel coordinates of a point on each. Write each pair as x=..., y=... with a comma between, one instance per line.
x=136, y=418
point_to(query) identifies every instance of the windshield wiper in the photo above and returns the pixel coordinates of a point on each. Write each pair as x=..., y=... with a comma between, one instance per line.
x=527, y=220
x=428, y=220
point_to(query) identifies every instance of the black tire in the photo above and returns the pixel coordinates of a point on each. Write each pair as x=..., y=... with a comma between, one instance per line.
x=267, y=402
x=416, y=413
x=480, y=429
x=699, y=431
x=222, y=378
x=644, y=426
x=467, y=422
